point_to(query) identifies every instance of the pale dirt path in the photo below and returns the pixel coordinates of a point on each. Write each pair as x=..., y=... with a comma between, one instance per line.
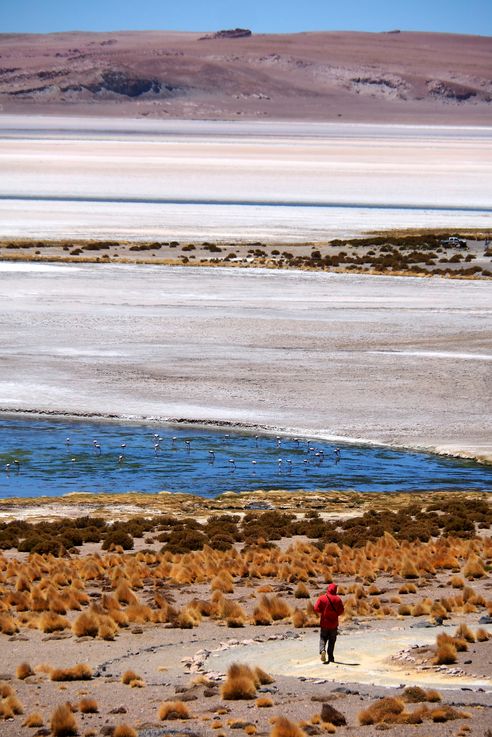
x=365, y=657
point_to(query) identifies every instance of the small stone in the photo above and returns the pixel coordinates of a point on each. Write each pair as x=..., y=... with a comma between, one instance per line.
x=330, y=714
x=118, y=710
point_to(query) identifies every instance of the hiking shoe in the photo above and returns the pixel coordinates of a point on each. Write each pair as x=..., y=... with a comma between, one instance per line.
x=323, y=657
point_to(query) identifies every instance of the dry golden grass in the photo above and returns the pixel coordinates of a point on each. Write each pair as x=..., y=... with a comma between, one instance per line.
x=8, y=625
x=261, y=616
x=88, y=706
x=23, y=671
x=51, y=622
x=240, y=684
x=387, y=709
x=447, y=713
x=283, y=727
x=129, y=676
x=264, y=702
x=79, y=672
x=86, y=625
x=262, y=677
x=465, y=633
x=124, y=730
x=173, y=710
x=482, y=635
x=328, y=727
x=408, y=569
x=301, y=591
x=33, y=720
x=63, y=722
x=446, y=652
x=474, y=568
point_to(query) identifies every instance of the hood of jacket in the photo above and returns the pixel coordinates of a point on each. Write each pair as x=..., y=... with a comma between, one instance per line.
x=332, y=588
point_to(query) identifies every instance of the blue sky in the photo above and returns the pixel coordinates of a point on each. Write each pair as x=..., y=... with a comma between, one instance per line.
x=262, y=16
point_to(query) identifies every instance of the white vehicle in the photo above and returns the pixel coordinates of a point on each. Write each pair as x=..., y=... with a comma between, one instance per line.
x=454, y=242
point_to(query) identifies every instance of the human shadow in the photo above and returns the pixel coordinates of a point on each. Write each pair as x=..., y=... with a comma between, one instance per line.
x=341, y=662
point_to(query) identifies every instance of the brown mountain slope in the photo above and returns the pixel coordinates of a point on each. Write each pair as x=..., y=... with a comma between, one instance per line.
x=395, y=77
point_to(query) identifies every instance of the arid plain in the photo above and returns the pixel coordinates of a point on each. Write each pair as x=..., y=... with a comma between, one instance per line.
x=128, y=615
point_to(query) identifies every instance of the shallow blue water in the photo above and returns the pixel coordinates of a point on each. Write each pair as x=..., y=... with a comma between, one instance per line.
x=58, y=457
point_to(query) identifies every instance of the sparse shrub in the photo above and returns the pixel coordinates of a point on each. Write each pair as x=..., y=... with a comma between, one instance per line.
x=465, y=633
x=239, y=684
x=33, y=720
x=482, y=635
x=264, y=702
x=23, y=671
x=301, y=591
x=283, y=727
x=116, y=538
x=79, y=672
x=129, y=676
x=263, y=677
x=173, y=710
x=446, y=652
x=124, y=730
x=387, y=709
x=63, y=722
x=88, y=706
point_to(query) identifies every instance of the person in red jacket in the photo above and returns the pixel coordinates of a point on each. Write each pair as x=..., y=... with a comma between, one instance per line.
x=329, y=606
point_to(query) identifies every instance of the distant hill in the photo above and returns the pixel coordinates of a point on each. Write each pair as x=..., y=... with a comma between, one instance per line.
x=392, y=76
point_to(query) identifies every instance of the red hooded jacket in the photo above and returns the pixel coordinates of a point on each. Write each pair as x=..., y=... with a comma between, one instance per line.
x=329, y=606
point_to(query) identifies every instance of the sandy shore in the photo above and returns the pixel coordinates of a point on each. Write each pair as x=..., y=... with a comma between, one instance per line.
x=398, y=361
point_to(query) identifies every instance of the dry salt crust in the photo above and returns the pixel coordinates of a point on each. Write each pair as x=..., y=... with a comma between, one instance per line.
x=399, y=361
x=136, y=179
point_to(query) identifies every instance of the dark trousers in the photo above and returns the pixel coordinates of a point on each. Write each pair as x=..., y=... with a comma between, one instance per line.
x=330, y=637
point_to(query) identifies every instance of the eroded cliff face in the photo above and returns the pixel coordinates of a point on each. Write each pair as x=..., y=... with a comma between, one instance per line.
x=359, y=76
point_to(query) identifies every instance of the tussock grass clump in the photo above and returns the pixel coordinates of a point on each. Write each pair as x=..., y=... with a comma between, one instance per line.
x=387, y=710
x=263, y=677
x=408, y=569
x=418, y=695
x=173, y=710
x=33, y=720
x=264, y=702
x=10, y=706
x=457, y=582
x=301, y=591
x=261, y=616
x=465, y=633
x=23, y=671
x=129, y=676
x=79, y=672
x=88, y=706
x=50, y=622
x=124, y=730
x=241, y=683
x=8, y=625
x=86, y=625
x=482, y=635
x=433, y=696
x=414, y=695
x=63, y=722
x=446, y=652
x=448, y=713
x=474, y=568
x=283, y=727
